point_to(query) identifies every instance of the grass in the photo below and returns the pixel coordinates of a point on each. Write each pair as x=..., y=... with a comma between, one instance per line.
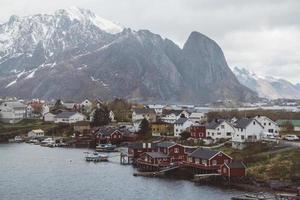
x=25, y=125
x=264, y=166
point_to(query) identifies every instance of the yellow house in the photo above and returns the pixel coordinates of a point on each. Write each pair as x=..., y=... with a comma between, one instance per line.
x=162, y=129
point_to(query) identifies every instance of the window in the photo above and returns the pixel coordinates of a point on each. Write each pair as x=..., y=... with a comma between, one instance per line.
x=176, y=150
x=269, y=124
x=212, y=134
x=242, y=137
x=228, y=133
x=204, y=162
x=271, y=131
x=197, y=160
x=222, y=126
x=219, y=133
x=253, y=123
x=214, y=162
x=265, y=124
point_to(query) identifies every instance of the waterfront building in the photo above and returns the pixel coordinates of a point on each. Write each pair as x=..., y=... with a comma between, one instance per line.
x=207, y=160
x=37, y=133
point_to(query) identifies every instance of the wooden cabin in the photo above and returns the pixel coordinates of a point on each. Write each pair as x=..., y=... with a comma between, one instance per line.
x=233, y=169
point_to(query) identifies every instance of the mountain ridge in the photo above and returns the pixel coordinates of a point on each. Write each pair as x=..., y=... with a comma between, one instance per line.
x=57, y=56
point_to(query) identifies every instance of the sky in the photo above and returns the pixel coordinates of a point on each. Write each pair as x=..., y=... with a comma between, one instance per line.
x=260, y=35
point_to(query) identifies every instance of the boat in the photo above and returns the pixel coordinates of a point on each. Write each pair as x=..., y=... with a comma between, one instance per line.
x=48, y=142
x=106, y=148
x=17, y=139
x=96, y=157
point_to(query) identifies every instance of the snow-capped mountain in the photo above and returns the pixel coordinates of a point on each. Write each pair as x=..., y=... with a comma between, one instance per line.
x=267, y=86
x=74, y=54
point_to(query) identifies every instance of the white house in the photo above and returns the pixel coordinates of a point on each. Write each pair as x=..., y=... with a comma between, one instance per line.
x=136, y=125
x=157, y=108
x=112, y=116
x=49, y=117
x=12, y=111
x=219, y=129
x=247, y=130
x=181, y=125
x=170, y=116
x=141, y=113
x=69, y=117
x=197, y=117
x=36, y=133
x=45, y=109
x=86, y=104
x=269, y=125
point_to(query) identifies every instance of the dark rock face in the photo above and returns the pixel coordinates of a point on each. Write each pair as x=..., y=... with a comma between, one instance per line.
x=76, y=60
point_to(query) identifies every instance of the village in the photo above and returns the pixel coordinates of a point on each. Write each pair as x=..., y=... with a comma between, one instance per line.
x=159, y=139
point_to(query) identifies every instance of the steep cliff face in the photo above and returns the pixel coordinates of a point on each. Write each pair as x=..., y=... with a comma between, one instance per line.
x=75, y=54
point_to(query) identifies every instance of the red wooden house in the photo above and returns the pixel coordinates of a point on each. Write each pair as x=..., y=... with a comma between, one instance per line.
x=154, y=159
x=109, y=135
x=198, y=131
x=233, y=169
x=137, y=149
x=207, y=160
x=175, y=151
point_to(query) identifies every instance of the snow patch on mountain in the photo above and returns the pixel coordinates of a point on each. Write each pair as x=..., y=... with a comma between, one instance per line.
x=267, y=86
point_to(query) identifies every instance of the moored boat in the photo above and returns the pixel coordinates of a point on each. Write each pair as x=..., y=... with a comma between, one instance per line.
x=106, y=148
x=96, y=157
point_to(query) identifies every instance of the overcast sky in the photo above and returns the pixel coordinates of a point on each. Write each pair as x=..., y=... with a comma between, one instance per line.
x=260, y=35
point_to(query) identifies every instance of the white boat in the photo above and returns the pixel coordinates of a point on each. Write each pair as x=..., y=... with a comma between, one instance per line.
x=96, y=157
x=106, y=148
x=48, y=142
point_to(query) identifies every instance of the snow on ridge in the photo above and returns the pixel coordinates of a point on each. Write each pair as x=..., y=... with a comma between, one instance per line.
x=12, y=83
x=84, y=16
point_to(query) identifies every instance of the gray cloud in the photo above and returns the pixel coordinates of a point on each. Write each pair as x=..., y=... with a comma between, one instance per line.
x=261, y=35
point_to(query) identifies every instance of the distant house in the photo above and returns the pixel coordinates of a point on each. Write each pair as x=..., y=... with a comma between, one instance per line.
x=36, y=133
x=219, y=129
x=12, y=111
x=109, y=135
x=49, y=117
x=45, y=109
x=157, y=108
x=197, y=117
x=69, y=117
x=181, y=125
x=198, y=131
x=136, y=125
x=170, y=116
x=141, y=113
x=247, y=130
x=162, y=129
x=86, y=104
x=112, y=116
x=207, y=160
x=82, y=127
x=269, y=125
x=283, y=122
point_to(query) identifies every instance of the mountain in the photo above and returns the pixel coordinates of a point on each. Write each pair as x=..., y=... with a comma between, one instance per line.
x=267, y=87
x=75, y=54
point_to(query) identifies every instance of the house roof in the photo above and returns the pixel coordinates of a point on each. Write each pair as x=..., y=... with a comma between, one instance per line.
x=236, y=164
x=181, y=121
x=166, y=144
x=243, y=123
x=294, y=122
x=168, y=112
x=37, y=131
x=65, y=114
x=203, y=153
x=157, y=155
x=144, y=111
x=213, y=125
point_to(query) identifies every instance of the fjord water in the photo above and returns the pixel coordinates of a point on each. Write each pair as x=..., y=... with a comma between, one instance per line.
x=31, y=172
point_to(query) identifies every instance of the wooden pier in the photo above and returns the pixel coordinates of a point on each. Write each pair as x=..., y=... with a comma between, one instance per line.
x=125, y=158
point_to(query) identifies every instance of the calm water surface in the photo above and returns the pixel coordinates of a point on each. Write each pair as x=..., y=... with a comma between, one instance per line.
x=31, y=172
